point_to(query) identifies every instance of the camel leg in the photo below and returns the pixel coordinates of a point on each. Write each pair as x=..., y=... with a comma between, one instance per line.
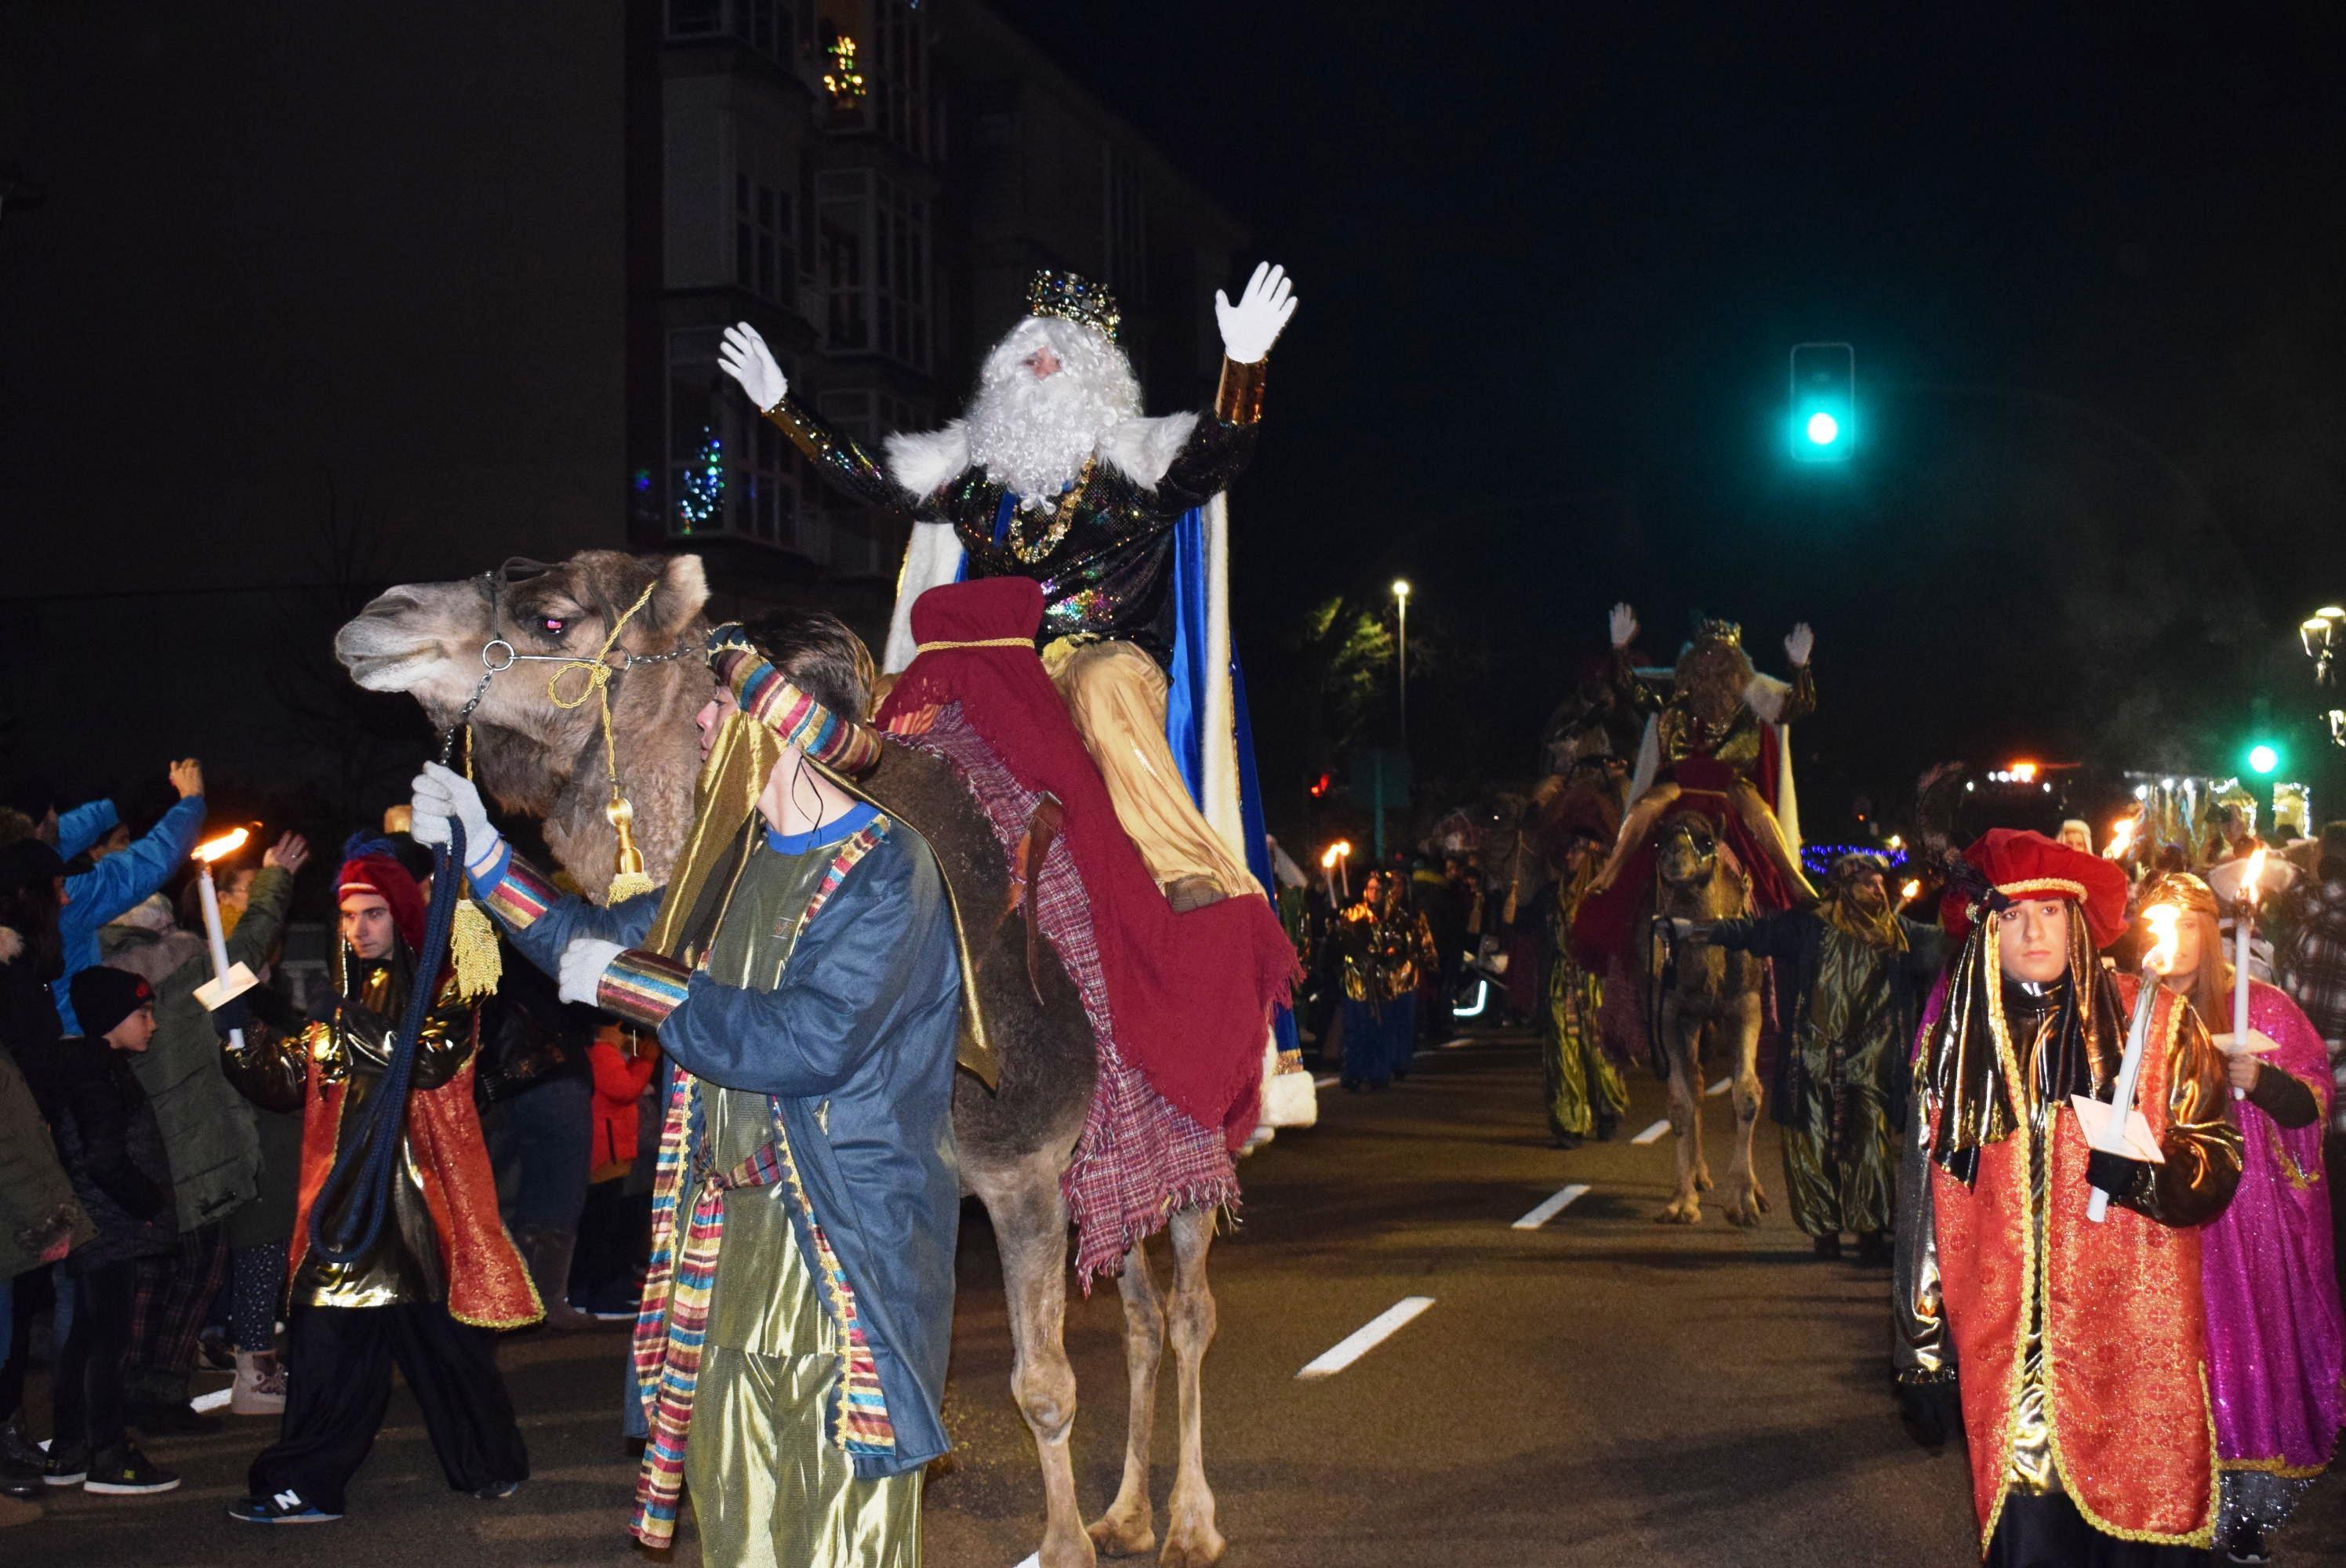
x=1126, y=1529
x=1030, y=1226
x=1748, y=1201
x=1685, y=1206
x=1633, y=828
x=1190, y=1540
x=1763, y=827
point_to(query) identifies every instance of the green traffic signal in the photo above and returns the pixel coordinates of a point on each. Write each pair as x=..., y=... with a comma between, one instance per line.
x=1824, y=411
x=2264, y=758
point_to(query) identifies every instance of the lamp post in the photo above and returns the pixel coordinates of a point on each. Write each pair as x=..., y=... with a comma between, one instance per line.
x=2323, y=633
x=1400, y=597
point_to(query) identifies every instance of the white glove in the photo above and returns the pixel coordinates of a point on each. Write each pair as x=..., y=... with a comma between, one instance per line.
x=1625, y=625
x=581, y=970
x=1254, y=323
x=1800, y=646
x=745, y=357
x=441, y=794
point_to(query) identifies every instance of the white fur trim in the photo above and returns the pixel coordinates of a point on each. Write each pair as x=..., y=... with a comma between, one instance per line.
x=1649, y=763
x=1787, y=799
x=1142, y=449
x=932, y=558
x=1220, y=746
x=1765, y=694
x=920, y=461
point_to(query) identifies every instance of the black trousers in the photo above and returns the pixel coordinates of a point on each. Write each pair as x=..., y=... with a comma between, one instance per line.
x=85, y=1395
x=340, y=1387
x=2049, y=1532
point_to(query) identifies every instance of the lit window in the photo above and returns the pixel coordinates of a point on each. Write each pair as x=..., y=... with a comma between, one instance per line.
x=729, y=471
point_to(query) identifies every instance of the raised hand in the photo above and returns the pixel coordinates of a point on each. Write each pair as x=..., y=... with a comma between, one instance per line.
x=1254, y=323
x=1625, y=625
x=1800, y=644
x=289, y=854
x=745, y=357
x=188, y=777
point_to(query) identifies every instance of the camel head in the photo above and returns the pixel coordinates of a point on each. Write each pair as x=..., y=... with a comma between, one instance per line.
x=1687, y=852
x=533, y=755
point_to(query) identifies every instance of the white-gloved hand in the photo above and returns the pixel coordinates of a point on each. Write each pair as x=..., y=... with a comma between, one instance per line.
x=1254, y=323
x=745, y=357
x=1800, y=646
x=1625, y=625
x=441, y=794
x=579, y=976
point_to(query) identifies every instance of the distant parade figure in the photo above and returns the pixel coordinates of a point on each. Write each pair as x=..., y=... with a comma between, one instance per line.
x=1850, y=977
x=1584, y=1094
x=2274, y=1334
x=1408, y=958
x=2081, y=1347
x=1358, y=938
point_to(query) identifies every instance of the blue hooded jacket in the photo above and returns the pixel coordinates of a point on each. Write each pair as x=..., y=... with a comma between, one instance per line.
x=115, y=883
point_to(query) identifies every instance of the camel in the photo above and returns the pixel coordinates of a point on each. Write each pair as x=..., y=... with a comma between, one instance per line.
x=1709, y=997
x=537, y=758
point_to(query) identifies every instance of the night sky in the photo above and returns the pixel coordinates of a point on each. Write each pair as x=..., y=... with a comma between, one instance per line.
x=1551, y=261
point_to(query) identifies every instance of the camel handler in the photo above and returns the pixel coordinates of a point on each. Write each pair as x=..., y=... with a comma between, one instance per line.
x=800, y=969
x=440, y=1277
x=2081, y=1346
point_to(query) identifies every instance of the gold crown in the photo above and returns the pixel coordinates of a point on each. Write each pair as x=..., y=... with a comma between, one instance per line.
x=1074, y=298
x=1712, y=631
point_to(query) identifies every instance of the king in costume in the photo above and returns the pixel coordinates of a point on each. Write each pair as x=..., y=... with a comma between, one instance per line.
x=441, y=1275
x=2080, y=1346
x=790, y=1351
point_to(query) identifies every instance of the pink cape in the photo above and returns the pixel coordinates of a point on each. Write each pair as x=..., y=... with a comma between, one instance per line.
x=2275, y=1342
x=1190, y=993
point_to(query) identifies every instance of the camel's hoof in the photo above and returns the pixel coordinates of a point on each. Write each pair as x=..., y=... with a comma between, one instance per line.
x=1679, y=1214
x=1746, y=1210
x=1702, y=1181
x=1200, y=1548
x=1127, y=1537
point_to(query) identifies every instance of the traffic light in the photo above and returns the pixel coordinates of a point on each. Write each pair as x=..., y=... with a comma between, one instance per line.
x=2264, y=758
x=1824, y=411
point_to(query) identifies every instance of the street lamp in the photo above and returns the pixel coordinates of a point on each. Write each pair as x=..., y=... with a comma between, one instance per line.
x=2323, y=633
x=1400, y=597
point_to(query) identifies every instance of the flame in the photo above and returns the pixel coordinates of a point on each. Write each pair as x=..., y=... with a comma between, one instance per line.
x=1912, y=891
x=2253, y=880
x=227, y=844
x=2161, y=919
x=2122, y=833
x=1340, y=849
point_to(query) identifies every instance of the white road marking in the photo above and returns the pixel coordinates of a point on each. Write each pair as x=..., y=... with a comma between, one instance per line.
x=1652, y=1134
x=1031, y=1560
x=1716, y=1090
x=1550, y=1207
x=1368, y=1336
x=211, y=1401
x=1453, y=1045
x=1327, y=1082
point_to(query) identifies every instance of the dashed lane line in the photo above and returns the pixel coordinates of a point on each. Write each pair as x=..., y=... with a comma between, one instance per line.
x=1327, y=1082
x=1366, y=1337
x=1716, y=1090
x=1551, y=1206
x=1653, y=1135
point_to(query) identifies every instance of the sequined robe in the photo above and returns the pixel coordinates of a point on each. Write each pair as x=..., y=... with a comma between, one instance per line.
x=1102, y=551
x=1583, y=1086
x=2081, y=1347
x=442, y=1238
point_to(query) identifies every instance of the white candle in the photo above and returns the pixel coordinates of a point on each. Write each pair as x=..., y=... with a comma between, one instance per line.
x=2113, y=1138
x=217, y=937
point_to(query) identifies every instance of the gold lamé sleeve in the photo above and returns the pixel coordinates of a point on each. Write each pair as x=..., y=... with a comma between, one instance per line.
x=2201, y=1145
x=1920, y=1350
x=272, y=1071
x=442, y=1046
x=843, y=463
x=1238, y=400
x=1802, y=700
x=1634, y=694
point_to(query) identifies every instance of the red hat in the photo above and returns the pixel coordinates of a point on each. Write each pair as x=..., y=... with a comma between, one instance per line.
x=2022, y=865
x=370, y=870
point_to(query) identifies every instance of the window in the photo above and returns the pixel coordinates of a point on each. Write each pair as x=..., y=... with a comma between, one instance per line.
x=759, y=24
x=900, y=76
x=875, y=252
x=730, y=472
x=762, y=262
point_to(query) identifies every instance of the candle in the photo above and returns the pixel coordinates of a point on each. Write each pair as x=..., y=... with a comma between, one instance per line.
x=2244, y=922
x=227, y=983
x=2110, y=1135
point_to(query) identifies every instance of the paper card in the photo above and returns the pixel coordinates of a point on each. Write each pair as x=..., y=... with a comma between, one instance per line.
x=227, y=988
x=2093, y=1116
x=2255, y=1043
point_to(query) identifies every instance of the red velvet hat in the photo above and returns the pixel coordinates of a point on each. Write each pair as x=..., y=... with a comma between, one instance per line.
x=2023, y=865
x=370, y=870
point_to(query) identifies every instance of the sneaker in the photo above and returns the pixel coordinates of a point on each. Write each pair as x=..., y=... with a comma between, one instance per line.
x=279, y=1507
x=214, y=1353
x=66, y=1466
x=2245, y=1543
x=126, y=1473
x=496, y=1491
x=17, y=1449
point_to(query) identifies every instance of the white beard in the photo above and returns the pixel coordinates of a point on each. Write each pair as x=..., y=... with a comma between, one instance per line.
x=1033, y=436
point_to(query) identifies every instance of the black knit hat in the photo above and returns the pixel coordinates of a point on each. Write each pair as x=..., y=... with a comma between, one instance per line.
x=103, y=997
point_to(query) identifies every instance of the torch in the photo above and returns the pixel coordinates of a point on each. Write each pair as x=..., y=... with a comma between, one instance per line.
x=2244, y=920
x=1344, y=853
x=2122, y=833
x=2113, y=1127
x=226, y=983
x=1328, y=874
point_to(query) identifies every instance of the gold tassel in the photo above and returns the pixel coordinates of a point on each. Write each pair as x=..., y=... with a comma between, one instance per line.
x=472, y=943
x=631, y=879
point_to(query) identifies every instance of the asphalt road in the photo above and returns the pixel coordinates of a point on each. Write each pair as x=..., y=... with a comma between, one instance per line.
x=1598, y=1391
